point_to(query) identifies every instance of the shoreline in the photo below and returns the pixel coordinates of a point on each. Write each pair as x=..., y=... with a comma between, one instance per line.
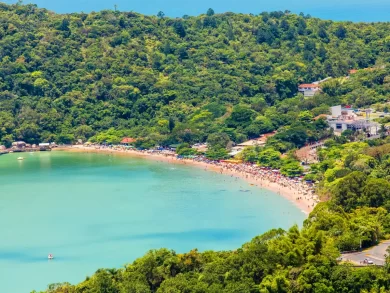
x=295, y=192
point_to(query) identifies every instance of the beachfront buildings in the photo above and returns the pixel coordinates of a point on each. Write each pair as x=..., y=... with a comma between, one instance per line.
x=19, y=144
x=344, y=118
x=128, y=140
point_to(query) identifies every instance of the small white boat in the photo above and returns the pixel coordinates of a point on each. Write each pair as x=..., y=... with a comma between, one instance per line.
x=50, y=256
x=20, y=158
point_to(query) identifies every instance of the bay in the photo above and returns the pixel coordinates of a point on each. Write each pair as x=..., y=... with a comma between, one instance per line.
x=353, y=10
x=98, y=210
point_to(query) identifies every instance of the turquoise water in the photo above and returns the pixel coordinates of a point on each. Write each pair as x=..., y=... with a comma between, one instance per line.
x=354, y=10
x=98, y=210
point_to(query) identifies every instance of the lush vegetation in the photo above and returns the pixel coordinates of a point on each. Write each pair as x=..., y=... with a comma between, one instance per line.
x=102, y=76
x=355, y=176
x=221, y=79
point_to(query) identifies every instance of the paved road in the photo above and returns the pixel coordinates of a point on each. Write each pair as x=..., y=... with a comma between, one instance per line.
x=375, y=253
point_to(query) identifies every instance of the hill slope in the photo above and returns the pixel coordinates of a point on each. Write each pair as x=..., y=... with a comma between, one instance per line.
x=67, y=77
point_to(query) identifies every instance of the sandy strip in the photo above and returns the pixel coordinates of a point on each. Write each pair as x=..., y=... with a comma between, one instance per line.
x=305, y=203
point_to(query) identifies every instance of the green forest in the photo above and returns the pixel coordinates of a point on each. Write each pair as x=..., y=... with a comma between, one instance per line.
x=105, y=75
x=219, y=78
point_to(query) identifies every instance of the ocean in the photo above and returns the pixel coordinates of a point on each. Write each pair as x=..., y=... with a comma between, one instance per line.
x=97, y=210
x=352, y=10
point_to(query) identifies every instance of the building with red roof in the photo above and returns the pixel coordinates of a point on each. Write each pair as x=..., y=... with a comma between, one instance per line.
x=128, y=140
x=309, y=89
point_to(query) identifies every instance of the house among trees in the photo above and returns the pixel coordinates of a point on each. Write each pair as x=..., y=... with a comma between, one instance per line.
x=128, y=140
x=310, y=89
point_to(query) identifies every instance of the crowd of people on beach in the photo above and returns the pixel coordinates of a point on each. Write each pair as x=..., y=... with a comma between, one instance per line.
x=299, y=189
x=265, y=177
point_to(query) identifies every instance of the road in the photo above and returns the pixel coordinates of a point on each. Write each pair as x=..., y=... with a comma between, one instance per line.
x=375, y=253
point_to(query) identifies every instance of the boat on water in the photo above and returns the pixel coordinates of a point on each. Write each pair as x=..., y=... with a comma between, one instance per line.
x=50, y=256
x=20, y=158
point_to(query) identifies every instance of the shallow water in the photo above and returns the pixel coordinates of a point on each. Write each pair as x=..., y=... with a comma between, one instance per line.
x=99, y=210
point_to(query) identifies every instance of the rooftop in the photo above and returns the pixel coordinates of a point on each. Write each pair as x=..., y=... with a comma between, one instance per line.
x=128, y=140
x=309, y=85
x=359, y=122
x=252, y=142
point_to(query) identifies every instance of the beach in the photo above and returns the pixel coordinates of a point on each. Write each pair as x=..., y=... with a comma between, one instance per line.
x=301, y=194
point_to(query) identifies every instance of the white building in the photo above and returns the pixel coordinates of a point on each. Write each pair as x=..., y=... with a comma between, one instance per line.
x=343, y=119
x=309, y=89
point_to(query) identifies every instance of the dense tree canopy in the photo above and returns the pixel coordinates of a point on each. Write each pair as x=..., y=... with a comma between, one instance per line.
x=219, y=78
x=104, y=75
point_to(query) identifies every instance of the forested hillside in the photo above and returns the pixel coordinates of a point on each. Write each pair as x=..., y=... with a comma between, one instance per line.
x=216, y=77
x=104, y=75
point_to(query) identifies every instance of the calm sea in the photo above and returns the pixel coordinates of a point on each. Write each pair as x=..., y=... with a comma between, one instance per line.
x=354, y=10
x=98, y=210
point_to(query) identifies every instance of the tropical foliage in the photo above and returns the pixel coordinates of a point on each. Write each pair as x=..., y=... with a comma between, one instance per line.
x=297, y=260
x=220, y=78
x=101, y=76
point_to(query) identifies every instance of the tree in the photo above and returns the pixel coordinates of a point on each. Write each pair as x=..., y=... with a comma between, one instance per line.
x=323, y=34
x=376, y=193
x=65, y=138
x=241, y=115
x=171, y=124
x=210, y=12
x=218, y=140
x=210, y=21
x=296, y=135
x=259, y=126
x=103, y=282
x=291, y=169
x=215, y=153
x=84, y=132
x=230, y=33
x=269, y=158
x=348, y=190
x=182, y=53
x=179, y=28
x=160, y=15
x=341, y=32
x=7, y=140
x=383, y=131
x=184, y=149
x=264, y=36
x=64, y=26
